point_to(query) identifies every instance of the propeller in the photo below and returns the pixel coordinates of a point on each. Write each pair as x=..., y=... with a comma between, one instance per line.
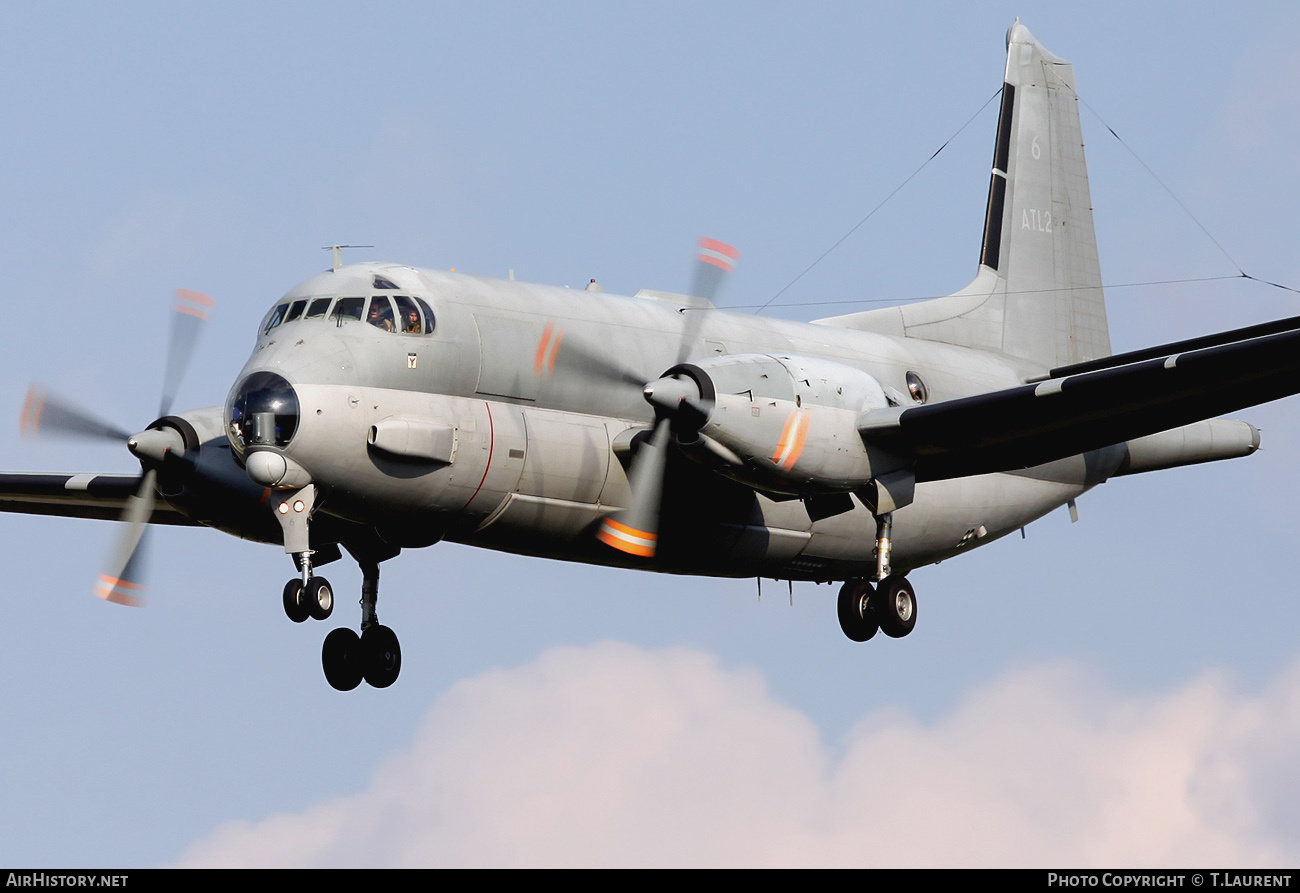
x=712, y=264
x=45, y=415
x=680, y=410
x=191, y=312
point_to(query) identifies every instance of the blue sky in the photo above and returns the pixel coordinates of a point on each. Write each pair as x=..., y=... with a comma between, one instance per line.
x=150, y=147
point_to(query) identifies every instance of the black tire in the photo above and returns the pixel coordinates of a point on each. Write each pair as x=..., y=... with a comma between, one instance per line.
x=295, y=605
x=341, y=657
x=382, y=656
x=895, y=607
x=856, y=616
x=320, y=598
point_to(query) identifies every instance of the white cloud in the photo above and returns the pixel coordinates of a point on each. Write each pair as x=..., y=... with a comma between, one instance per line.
x=614, y=755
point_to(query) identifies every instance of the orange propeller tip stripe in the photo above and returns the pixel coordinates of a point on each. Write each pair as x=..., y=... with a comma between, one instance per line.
x=720, y=254
x=194, y=297
x=627, y=539
x=722, y=248
x=119, y=592
x=30, y=422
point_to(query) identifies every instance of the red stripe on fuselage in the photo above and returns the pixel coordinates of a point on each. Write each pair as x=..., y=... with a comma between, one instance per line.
x=492, y=439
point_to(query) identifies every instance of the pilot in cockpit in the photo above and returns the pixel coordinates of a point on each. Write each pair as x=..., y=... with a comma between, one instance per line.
x=411, y=321
x=381, y=314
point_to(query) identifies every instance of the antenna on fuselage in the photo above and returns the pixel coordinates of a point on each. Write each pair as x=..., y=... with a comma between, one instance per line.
x=337, y=253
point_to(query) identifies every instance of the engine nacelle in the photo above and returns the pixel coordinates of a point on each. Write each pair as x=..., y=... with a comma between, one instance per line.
x=784, y=424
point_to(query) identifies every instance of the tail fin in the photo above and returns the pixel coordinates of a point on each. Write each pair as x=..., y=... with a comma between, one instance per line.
x=1037, y=295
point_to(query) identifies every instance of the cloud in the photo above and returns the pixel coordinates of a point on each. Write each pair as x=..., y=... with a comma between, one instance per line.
x=613, y=755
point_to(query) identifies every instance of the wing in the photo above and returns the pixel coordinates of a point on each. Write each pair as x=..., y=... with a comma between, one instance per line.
x=1063, y=416
x=78, y=496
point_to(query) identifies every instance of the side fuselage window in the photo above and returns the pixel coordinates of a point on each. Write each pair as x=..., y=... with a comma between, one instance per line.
x=381, y=313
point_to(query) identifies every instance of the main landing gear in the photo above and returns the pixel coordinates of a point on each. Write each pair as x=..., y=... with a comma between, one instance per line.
x=375, y=655
x=889, y=607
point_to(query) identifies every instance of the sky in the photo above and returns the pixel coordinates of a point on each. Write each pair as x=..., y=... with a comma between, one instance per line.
x=1120, y=691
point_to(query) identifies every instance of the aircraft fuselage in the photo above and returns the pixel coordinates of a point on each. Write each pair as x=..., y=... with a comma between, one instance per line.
x=532, y=461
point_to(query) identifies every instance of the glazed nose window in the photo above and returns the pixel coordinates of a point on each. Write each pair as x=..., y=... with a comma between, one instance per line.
x=262, y=411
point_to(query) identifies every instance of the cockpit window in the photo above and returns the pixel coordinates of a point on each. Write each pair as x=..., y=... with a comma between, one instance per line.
x=381, y=313
x=428, y=316
x=317, y=308
x=295, y=310
x=408, y=315
x=384, y=282
x=277, y=317
x=348, y=308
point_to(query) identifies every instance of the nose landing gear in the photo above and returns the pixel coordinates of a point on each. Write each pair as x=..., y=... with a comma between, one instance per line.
x=314, y=600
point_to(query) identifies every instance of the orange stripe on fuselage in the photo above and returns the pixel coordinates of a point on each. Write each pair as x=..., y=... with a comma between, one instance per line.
x=539, y=358
x=801, y=436
x=793, y=437
x=555, y=351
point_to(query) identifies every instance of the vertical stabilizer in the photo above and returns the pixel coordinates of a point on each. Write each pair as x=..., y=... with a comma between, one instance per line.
x=1037, y=295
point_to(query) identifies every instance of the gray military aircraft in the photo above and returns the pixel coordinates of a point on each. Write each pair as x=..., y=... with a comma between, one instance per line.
x=386, y=407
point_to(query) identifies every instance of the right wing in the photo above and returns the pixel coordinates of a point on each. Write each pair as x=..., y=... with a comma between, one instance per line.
x=78, y=496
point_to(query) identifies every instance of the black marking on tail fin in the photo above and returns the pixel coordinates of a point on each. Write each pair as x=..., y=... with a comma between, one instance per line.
x=990, y=252
x=993, y=221
x=1003, y=150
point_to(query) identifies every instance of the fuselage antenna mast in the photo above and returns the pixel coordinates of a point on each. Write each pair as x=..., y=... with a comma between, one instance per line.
x=338, y=253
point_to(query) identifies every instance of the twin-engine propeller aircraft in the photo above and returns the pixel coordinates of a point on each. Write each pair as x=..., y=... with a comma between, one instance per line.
x=386, y=407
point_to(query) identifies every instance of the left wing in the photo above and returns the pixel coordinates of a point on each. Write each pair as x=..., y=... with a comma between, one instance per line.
x=1035, y=423
x=78, y=496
